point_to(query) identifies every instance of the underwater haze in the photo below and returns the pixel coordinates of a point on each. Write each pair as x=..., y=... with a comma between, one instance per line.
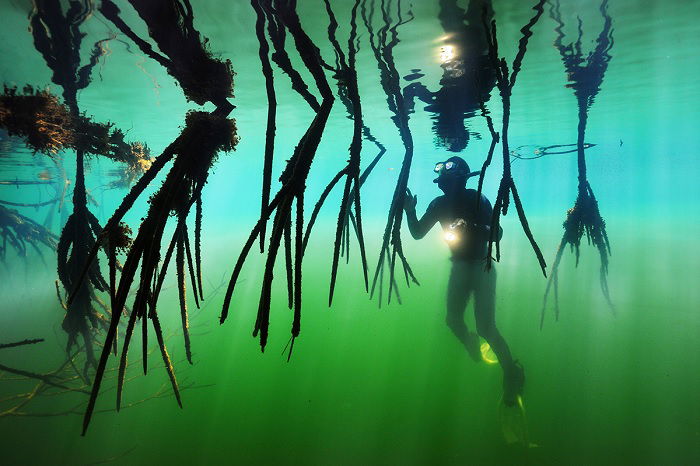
x=608, y=336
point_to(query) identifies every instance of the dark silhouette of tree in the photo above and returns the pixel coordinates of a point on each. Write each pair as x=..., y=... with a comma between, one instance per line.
x=585, y=77
x=505, y=80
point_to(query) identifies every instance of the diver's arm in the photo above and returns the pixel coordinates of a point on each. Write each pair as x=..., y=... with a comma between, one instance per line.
x=419, y=228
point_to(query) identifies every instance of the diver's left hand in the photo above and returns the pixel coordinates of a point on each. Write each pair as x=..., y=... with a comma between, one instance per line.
x=409, y=201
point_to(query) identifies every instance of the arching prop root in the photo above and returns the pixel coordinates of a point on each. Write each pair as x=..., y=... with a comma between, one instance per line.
x=263, y=52
x=495, y=137
x=505, y=80
x=346, y=75
x=291, y=195
x=382, y=44
x=585, y=78
x=204, y=135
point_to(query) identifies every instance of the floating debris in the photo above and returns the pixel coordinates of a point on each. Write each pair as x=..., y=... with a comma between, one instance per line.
x=534, y=151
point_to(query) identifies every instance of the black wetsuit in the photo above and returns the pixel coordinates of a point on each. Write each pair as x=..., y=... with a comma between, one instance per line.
x=468, y=274
x=471, y=241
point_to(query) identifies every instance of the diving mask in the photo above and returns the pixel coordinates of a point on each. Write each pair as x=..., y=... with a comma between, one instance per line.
x=444, y=167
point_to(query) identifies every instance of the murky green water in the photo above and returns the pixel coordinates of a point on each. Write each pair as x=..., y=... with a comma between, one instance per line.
x=391, y=385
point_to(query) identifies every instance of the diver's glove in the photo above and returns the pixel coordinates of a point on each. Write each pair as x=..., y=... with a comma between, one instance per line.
x=409, y=201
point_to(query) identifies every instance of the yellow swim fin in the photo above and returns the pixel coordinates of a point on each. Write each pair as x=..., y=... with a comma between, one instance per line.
x=487, y=354
x=514, y=423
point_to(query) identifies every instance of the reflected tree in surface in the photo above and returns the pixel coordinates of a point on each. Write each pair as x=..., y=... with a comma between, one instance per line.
x=58, y=38
x=48, y=126
x=171, y=230
x=467, y=78
x=585, y=75
x=194, y=151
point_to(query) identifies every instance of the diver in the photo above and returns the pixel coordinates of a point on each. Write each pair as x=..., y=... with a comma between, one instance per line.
x=465, y=221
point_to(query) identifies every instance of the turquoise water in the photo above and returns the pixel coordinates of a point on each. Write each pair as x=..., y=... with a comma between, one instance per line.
x=391, y=385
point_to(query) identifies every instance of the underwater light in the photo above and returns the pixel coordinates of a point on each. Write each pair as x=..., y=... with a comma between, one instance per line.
x=444, y=37
x=453, y=233
x=447, y=53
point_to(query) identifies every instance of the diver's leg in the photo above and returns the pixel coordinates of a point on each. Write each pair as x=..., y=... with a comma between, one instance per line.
x=485, y=316
x=458, y=291
x=485, y=313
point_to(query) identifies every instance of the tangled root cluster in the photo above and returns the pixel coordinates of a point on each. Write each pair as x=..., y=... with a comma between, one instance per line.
x=38, y=117
x=102, y=139
x=19, y=231
x=204, y=136
x=584, y=218
x=47, y=126
x=120, y=237
x=210, y=80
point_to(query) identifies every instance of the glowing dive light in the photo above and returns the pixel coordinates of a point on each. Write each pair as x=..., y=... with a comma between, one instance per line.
x=450, y=236
x=453, y=233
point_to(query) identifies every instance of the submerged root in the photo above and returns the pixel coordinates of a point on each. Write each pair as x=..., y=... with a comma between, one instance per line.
x=585, y=76
x=48, y=126
x=21, y=343
x=346, y=74
x=293, y=181
x=505, y=80
x=204, y=135
x=18, y=231
x=66, y=382
x=37, y=117
x=382, y=44
x=583, y=218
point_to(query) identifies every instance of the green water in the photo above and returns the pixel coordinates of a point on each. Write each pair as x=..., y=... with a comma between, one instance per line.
x=392, y=385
